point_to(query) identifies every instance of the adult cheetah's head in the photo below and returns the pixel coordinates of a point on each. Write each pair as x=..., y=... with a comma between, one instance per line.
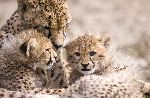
x=53, y=15
x=88, y=53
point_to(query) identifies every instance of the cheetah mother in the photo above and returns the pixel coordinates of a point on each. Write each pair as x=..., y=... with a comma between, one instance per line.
x=50, y=17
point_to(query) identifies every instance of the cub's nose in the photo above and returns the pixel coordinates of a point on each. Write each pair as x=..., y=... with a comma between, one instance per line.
x=84, y=65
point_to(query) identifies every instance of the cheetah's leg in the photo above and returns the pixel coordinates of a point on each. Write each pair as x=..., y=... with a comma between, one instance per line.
x=42, y=71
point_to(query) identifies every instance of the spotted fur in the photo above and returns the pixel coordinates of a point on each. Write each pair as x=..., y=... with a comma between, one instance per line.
x=88, y=55
x=28, y=30
x=42, y=93
x=111, y=86
x=50, y=17
x=13, y=94
x=16, y=58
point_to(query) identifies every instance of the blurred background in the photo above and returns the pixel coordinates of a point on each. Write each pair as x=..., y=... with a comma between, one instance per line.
x=128, y=22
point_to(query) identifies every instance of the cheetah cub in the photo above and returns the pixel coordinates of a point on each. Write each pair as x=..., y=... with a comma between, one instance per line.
x=112, y=86
x=88, y=55
x=34, y=50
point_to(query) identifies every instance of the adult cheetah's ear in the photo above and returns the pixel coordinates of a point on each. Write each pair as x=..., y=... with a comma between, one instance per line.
x=105, y=40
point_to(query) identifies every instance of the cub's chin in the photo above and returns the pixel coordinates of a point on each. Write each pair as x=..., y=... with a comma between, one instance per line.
x=87, y=71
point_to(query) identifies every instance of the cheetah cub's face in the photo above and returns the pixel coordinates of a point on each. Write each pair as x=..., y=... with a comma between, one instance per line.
x=87, y=53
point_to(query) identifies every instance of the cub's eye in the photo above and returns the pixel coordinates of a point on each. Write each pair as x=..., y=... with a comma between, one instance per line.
x=92, y=53
x=77, y=53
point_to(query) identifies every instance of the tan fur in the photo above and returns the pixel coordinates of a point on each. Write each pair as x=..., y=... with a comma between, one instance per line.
x=111, y=86
x=88, y=55
x=50, y=17
x=29, y=28
x=16, y=58
x=13, y=94
x=46, y=93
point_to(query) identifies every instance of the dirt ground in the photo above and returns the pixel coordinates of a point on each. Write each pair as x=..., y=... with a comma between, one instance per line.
x=126, y=20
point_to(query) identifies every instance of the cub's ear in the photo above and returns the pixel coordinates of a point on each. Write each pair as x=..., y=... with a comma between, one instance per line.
x=105, y=40
x=29, y=46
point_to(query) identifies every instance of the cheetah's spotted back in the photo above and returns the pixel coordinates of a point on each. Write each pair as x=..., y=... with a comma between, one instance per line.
x=111, y=86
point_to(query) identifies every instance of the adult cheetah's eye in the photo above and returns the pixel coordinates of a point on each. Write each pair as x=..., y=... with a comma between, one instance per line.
x=77, y=53
x=92, y=53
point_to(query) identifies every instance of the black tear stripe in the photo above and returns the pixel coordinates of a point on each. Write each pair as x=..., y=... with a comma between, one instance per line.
x=48, y=63
x=78, y=61
x=52, y=73
x=61, y=82
x=57, y=77
x=49, y=31
x=64, y=35
x=79, y=51
x=92, y=61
